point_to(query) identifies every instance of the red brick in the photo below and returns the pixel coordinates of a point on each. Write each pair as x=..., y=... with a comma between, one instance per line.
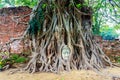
x=10, y=29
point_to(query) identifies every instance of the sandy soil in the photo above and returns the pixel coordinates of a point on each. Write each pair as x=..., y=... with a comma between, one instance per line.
x=73, y=75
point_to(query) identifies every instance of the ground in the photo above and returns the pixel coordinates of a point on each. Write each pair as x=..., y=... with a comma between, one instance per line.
x=73, y=75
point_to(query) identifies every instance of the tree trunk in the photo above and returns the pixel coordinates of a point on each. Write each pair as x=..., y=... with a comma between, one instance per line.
x=61, y=38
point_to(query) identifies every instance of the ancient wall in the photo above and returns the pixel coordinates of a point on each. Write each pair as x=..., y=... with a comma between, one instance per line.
x=111, y=48
x=13, y=22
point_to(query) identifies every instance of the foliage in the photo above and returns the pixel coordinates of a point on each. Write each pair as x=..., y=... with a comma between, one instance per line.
x=37, y=22
x=30, y=3
x=96, y=24
x=117, y=27
x=108, y=33
x=5, y=59
x=13, y=3
x=78, y=5
x=104, y=12
x=15, y=58
x=118, y=59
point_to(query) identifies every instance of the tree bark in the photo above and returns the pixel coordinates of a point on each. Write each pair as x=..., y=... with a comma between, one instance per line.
x=62, y=38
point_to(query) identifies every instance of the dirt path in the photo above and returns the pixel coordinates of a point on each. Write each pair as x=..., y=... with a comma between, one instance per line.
x=73, y=75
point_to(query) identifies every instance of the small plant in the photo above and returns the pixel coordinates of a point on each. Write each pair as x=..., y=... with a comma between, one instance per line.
x=5, y=59
x=118, y=59
x=15, y=58
x=1, y=65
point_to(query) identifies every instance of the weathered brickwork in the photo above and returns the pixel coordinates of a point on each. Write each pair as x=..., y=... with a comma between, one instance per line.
x=12, y=25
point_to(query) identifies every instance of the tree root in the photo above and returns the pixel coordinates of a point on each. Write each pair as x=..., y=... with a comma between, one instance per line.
x=64, y=42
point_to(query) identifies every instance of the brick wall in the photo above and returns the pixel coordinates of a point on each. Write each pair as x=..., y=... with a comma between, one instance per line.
x=110, y=48
x=9, y=28
x=13, y=24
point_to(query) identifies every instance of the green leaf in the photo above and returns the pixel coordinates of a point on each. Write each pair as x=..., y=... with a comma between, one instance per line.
x=117, y=27
x=1, y=66
x=110, y=10
x=12, y=2
x=2, y=5
x=44, y=6
x=14, y=57
x=78, y=5
x=21, y=60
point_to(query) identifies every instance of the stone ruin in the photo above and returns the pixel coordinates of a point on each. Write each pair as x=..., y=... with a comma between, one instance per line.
x=13, y=23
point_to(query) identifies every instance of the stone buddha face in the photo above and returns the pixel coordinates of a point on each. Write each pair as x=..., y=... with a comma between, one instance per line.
x=65, y=52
